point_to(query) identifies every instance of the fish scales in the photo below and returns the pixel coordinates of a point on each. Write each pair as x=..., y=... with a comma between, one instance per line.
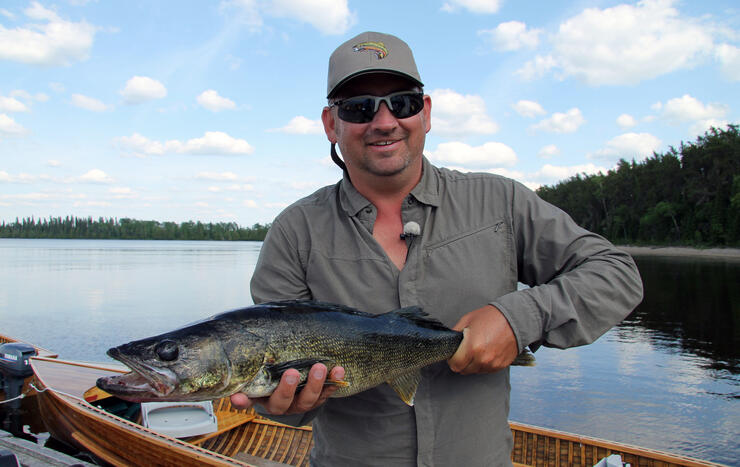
x=248, y=350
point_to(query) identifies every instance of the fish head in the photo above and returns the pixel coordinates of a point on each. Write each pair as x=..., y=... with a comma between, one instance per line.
x=184, y=365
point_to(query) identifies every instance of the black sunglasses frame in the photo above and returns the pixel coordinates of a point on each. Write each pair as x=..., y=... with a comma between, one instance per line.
x=412, y=102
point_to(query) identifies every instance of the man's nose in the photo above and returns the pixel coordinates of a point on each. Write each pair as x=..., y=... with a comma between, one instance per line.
x=384, y=117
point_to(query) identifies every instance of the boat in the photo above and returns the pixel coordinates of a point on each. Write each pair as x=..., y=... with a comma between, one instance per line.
x=77, y=413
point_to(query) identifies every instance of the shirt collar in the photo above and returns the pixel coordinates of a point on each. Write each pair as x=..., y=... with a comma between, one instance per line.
x=426, y=191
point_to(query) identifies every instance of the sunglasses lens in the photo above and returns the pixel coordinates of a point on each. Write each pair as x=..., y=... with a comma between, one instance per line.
x=406, y=105
x=357, y=109
x=361, y=109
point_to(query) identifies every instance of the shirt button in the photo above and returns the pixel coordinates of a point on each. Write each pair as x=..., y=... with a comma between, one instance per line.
x=411, y=201
x=368, y=210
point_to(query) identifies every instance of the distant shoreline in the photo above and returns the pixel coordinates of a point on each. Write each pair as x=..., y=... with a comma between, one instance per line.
x=727, y=253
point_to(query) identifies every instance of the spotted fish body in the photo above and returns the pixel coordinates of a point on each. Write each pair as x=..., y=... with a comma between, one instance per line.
x=247, y=350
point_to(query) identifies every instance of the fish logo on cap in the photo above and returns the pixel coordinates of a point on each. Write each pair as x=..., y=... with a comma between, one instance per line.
x=378, y=48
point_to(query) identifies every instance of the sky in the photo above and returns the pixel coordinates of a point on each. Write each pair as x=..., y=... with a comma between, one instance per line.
x=210, y=111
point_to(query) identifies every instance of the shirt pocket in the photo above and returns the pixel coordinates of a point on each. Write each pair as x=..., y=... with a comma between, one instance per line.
x=468, y=269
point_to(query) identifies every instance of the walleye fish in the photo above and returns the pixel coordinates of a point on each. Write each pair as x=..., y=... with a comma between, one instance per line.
x=248, y=350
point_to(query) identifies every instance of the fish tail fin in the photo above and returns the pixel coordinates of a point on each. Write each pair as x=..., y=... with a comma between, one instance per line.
x=525, y=358
x=406, y=385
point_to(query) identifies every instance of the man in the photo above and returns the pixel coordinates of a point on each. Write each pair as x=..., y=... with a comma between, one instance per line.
x=397, y=231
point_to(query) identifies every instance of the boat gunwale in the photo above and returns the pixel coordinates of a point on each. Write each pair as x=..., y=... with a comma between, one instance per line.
x=615, y=446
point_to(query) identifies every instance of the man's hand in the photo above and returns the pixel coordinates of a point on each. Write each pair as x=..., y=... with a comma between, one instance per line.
x=488, y=344
x=285, y=401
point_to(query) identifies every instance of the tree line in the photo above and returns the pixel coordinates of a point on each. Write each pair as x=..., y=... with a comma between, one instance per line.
x=128, y=229
x=689, y=195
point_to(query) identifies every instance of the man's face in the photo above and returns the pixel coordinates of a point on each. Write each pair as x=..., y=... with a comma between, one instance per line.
x=386, y=145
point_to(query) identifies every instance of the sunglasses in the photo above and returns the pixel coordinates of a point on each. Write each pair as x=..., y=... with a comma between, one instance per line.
x=362, y=109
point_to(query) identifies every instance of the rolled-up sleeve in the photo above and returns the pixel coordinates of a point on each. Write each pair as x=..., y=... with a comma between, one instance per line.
x=580, y=285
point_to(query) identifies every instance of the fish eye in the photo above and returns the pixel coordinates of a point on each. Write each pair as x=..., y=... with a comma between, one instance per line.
x=167, y=350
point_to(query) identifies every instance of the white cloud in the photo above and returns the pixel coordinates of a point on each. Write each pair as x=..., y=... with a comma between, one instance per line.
x=529, y=109
x=53, y=163
x=459, y=115
x=39, y=96
x=249, y=203
x=626, y=121
x=537, y=68
x=301, y=125
x=9, y=126
x=11, y=104
x=212, y=143
x=546, y=152
x=50, y=41
x=628, y=146
x=474, y=6
x=88, y=103
x=7, y=13
x=562, y=122
x=729, y=59
x=217, y=177
x=122, y=192
x=550, y=172
x=212, y=101
x=512, y=35
x=142, y=89
x=232, y=188
x=687, y=108
x=626, y=44
x=492, y=154
x=700, y=127
x=327, y=16
x=94, y=176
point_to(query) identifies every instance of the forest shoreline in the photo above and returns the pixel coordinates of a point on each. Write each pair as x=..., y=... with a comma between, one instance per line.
x=726, y=253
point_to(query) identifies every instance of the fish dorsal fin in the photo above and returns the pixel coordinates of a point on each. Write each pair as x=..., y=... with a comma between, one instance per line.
x=405, y=385
x=419, y=317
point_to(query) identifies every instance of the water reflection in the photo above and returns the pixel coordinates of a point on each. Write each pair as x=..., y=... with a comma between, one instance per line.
x=691, y=305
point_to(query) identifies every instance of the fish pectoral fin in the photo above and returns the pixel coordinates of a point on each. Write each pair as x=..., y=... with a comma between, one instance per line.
x=526, y=358
x=337, y=382
x=303, y=365
x=405, y=385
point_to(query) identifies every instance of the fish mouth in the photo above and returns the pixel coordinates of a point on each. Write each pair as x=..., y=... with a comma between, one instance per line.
x=144, y=382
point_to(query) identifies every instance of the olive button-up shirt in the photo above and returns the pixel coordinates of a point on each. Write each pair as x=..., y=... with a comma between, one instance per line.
x=480, y=235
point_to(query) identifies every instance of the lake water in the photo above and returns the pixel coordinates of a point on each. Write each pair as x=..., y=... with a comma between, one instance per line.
x=667, y=378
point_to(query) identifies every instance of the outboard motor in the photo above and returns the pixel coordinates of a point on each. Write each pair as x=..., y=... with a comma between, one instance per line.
x=15, y=366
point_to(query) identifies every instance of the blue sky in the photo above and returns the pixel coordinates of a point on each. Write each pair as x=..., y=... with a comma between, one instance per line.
x=185, y=110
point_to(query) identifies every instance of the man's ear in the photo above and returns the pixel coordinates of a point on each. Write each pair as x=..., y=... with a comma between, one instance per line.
x=427, y=111
x=329, y=124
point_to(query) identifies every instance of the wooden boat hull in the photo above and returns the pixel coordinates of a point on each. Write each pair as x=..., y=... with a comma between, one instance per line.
x=243, y=436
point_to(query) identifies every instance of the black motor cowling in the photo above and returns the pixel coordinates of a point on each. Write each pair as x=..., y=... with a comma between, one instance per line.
x=15, y=359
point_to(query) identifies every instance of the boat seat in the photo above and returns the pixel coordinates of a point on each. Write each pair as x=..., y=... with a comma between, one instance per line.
x=179, y=419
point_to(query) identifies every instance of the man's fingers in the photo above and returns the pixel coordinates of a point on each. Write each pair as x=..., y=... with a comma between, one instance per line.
x=240, y=401
x=281, y=399
x=306, y=399
x=337, y=374
x=462, y=355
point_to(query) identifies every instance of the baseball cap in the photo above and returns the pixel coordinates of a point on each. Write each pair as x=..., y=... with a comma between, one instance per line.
x=371, y=52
